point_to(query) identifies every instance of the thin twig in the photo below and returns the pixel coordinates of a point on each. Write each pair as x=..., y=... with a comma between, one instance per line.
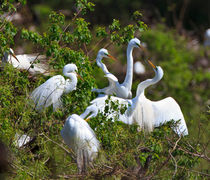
x=194, y=171
x=86, y=51
x=77, y=14
x=24, y=170
x=108, y=44
x=12, y=14
x=175, y=164
x=195, y=154
x=70, y=176
x=167, y=160
x=68, y=152
x=64, y=30
x=33, y=61
x=95, y=46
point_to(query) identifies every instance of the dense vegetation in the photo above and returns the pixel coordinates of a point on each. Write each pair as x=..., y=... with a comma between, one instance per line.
x=125, y=152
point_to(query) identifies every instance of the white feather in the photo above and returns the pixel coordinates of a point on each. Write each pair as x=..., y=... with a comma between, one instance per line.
x=140, y=110
x=115, y=88
x=78, y=135
x=25, y=62
x=207, y=38
x=139, y=68
x=51, y=91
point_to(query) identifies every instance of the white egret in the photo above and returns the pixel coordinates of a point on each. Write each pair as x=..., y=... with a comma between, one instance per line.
x=164, y=110
x=139, y=68
x=103, y=53
x=90, y=109
x=51, y=91
x=78, y=135
x=140, y=110
x=26, y=62
x=120, y=90
x=207, y=38
x=21, y=140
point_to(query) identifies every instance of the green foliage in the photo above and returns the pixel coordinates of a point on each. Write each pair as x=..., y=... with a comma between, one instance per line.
x=84, y=5
x=168, y=50
x=82, y=33
x=101, y=32
x=120, y=35
x=7, y=29
x=125, y=151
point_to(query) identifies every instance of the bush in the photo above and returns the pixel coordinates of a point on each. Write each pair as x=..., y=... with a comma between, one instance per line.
x=126, y=152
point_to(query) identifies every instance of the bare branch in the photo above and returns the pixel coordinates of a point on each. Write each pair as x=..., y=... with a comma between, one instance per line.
x=33, y=61
x=167, y=160
x=195, y=154
x=204, y=174
x=95, y=46
x=15, y=166
x=68, y=152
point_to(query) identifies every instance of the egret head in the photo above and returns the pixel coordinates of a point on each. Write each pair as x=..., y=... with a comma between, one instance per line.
x=70, y=68
x=93, y=110
x=135, y=42
x=158, y=70
x=103, y=53
x=11, y=51
x=6, y=55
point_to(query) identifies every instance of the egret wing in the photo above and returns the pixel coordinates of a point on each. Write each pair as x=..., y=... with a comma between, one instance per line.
x=32, y=57
x=26, y=61
x=78, y=135
x=166, y=110
x=112, y=79
x=100, y=103
x=49, y=93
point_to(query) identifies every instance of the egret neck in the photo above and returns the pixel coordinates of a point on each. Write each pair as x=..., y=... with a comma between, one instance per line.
x=129, y=73
x=101, y=65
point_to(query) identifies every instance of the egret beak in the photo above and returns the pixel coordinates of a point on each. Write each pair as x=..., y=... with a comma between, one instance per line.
x=80, y=77
x=13, y=55
x=153, y=66
x=87, y=119
x=111, y=57
x=142, y=47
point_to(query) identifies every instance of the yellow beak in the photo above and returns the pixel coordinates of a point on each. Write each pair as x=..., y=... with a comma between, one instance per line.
x=87, y=119
x=13, y=55
x=80, y=77
x=112, y=57
x=153, y=66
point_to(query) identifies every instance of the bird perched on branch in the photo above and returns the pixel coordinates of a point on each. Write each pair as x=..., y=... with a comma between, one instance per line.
x=27, y=62
x=120, y=90
x=144, y=112
x=79, y=136
x=51, y=91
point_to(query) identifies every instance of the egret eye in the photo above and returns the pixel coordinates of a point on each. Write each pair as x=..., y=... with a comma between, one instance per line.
x=137, y=44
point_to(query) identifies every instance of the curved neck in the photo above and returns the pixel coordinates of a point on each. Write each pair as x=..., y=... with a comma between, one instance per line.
x=129, y=73
x=70, y=85
x=143, y=85
x=6, y=57
x=101, y=65
x=84, y=114
x=92, y=110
